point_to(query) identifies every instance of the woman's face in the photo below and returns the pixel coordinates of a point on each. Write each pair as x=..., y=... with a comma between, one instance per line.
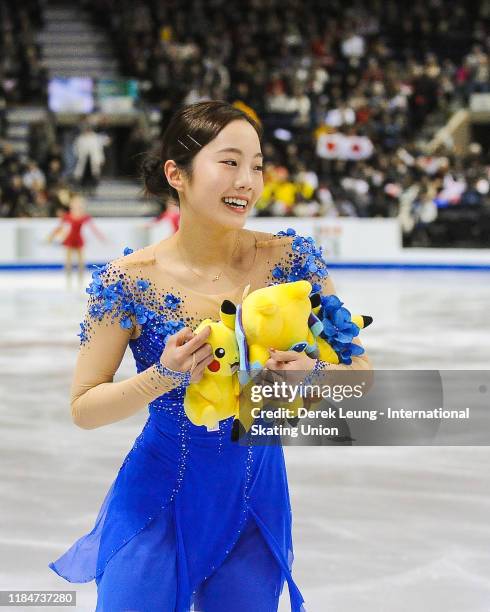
x=230, y=166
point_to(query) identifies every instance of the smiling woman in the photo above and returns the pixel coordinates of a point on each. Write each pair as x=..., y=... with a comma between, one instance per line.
x=212, y=154
x=207, y=520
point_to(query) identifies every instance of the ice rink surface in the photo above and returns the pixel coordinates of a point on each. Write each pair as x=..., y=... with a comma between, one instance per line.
x=376, y=529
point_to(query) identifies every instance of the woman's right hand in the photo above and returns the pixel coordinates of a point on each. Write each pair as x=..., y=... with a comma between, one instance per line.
x=182, y=346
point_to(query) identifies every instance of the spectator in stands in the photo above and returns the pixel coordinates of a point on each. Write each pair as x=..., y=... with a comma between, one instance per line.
x=89, y=150
x=24, y=77
x=33, y=177
x=343, y=115
x=10, y=162
x=16, y=198
x=54, y=173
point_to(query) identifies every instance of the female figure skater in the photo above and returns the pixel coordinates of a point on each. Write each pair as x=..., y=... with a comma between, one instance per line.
x=75, y=218
x=193, y=520
x=170, y=214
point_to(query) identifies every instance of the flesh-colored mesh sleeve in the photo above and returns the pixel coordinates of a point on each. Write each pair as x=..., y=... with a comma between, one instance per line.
x=107, y=328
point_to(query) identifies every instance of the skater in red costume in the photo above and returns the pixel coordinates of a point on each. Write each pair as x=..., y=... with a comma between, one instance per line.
x=170, y=213
x=73, y=242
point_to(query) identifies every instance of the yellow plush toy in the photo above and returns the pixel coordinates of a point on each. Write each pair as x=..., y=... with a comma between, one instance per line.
x=285, y=317
x=288, y=317
x=276, y=317
x=215, y=396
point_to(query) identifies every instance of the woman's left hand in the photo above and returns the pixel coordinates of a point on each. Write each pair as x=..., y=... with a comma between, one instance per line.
x=290, y=362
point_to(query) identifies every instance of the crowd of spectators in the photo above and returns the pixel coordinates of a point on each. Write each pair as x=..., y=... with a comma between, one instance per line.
x=384, y=186
x=381, y=71
x=29, y=188
x=22, y=74
x=23, y=186
x=385, y=71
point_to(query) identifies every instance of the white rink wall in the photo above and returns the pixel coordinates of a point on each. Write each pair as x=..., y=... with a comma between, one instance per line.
x=347, y=241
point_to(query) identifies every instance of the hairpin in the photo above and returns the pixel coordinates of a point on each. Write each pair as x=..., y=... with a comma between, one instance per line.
x=189, y=136
x=180, y=141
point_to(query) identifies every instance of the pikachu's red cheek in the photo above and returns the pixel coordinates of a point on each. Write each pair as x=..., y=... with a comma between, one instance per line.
x=214, y=366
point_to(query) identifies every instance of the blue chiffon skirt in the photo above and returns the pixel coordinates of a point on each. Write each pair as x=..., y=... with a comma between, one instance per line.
x=193, y=521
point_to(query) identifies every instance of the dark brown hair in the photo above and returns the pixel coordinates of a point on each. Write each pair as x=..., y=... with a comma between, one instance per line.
x=191, y=128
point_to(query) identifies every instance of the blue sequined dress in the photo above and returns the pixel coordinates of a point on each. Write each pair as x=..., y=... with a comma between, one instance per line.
x=192, y=521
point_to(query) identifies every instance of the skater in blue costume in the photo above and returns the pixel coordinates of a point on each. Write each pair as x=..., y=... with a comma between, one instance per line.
x=193, y=520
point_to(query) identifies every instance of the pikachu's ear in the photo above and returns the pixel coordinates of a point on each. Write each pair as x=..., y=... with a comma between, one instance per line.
x=316, y=302
x=227, y=314
x=299, y=289
x=362, y=321
x=265, y=306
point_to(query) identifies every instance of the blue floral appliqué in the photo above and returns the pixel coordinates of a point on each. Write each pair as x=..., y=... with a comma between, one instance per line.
x=112, y=291
x=96, y=287
x=142, y=314
x=171, y=301
x=278, y=272
x=83, y=333
x=339, y=329
x=126, y=322
x=307, y=261
x=142, y=285
x=106, y=299
x=169, y=327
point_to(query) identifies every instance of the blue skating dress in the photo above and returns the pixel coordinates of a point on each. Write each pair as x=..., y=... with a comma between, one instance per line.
x=192, y=521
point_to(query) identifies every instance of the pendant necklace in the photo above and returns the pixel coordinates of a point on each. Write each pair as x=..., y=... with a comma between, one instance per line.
x=216, y=277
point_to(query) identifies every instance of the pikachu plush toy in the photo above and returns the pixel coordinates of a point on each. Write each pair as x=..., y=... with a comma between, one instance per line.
x=286, y=317
x=215, y=396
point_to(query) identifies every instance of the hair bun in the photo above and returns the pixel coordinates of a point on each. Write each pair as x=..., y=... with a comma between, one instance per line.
x=150, y=164
x=155, y=181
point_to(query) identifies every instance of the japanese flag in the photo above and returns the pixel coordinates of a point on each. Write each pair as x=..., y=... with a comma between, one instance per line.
x=359, y=147
x=330, y=146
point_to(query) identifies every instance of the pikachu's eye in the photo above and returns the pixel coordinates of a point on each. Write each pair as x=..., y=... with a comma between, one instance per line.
x=219, y=352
